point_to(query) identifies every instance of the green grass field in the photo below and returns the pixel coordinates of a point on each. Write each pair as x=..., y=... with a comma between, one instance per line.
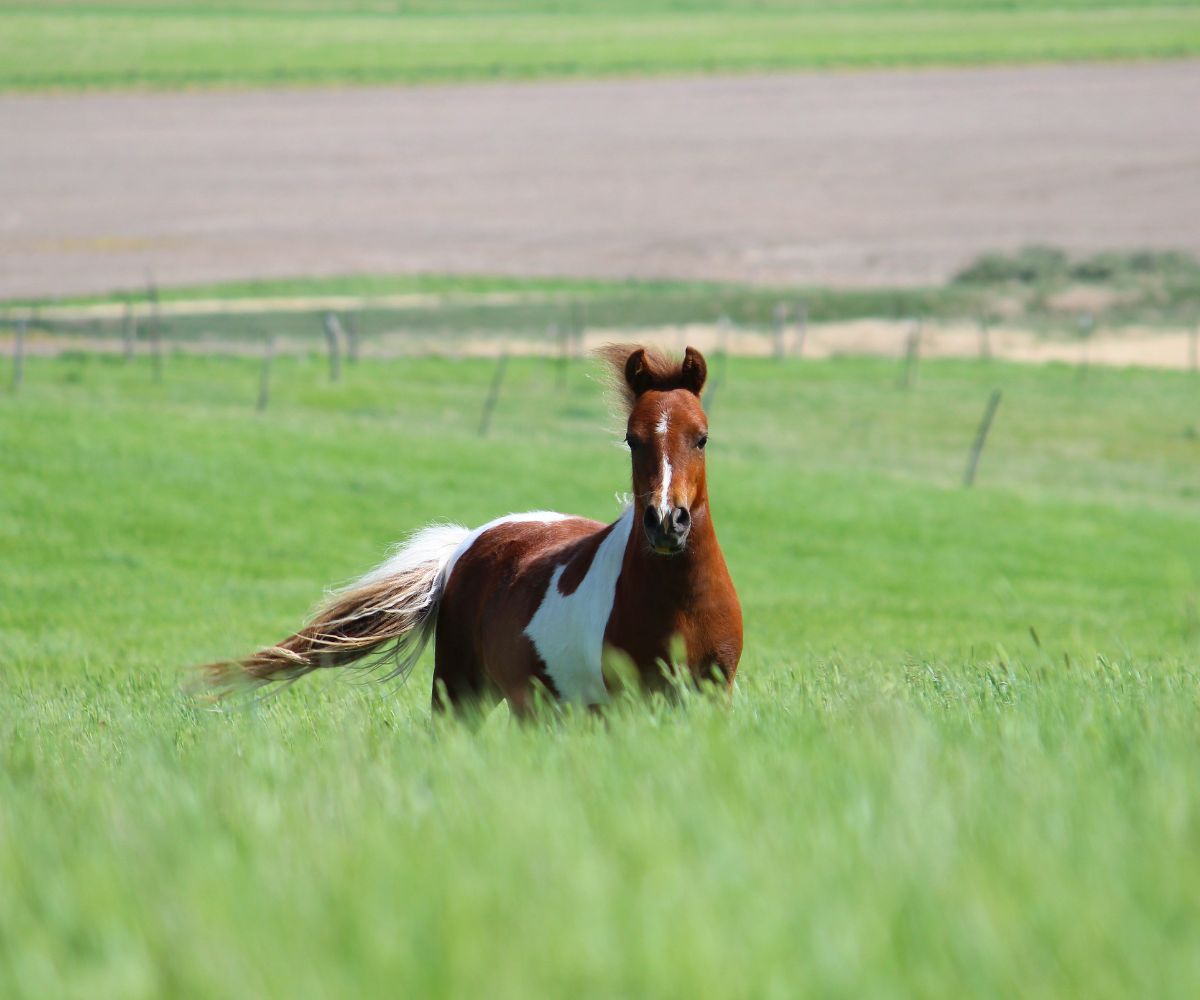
x=961, y=759
x=119, y=43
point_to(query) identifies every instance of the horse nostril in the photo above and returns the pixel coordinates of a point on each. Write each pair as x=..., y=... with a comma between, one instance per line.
x=650, y=519
x=682, y=519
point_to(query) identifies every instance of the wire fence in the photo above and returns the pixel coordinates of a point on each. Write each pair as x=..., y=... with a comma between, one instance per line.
x=908, y=325
x=562, y=331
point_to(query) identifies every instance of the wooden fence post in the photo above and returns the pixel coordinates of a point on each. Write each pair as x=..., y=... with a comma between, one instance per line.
x=912, y=355
x=333, y=340
x=801, y=327
x=264, y=382
x=710, y=394
x=1087, y=324
x=489, y=404
x=581, y=319
x=780, y=330
x=18, y=362
x=352, y=338
x=563, y=333
x=981, y=438
x=722, y=361
x=156, y=345
x=129, y=331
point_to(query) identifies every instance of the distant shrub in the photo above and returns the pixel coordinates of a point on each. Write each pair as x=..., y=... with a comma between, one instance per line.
x=1040, y=266
x=1032, y=265
x=1114, y=265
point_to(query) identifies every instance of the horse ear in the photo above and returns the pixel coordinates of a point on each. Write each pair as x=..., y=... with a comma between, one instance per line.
x=694, y=370
x=637, y=372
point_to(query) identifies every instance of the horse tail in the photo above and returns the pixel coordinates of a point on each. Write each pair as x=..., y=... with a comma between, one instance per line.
x=388, y=616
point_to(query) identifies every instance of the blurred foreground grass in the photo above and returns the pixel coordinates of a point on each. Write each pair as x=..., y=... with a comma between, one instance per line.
x=961, y=758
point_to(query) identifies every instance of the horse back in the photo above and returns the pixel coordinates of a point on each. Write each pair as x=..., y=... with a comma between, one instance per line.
x=494, y=592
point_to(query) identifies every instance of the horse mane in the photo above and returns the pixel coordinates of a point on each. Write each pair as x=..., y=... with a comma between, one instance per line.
x=664, y=373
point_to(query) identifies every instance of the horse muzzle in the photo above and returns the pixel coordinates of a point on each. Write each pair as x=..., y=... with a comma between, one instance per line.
x=667, y=534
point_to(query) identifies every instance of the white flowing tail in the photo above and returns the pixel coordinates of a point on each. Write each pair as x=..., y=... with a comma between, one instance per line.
x=389, y=616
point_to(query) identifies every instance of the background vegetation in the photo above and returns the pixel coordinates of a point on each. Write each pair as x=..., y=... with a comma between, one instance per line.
x=961, y=758
x=119, y=43
x=1039, y=288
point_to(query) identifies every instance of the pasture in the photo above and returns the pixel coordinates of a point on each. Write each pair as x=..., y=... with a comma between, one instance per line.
x=73, y=44
x=961, y=757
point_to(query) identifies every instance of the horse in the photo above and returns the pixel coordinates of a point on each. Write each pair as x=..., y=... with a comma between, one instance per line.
x=543, y=599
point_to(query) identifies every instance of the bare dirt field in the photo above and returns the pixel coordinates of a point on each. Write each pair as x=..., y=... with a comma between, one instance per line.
x=844, y=178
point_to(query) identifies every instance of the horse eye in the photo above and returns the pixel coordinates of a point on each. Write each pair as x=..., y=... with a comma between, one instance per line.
x=634, y=443
x=702, y=442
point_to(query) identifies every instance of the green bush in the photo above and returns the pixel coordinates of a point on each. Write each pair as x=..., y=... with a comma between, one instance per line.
x=1032, y=265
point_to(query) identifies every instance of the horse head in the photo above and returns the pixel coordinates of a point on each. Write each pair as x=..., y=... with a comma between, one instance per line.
x=666, y=431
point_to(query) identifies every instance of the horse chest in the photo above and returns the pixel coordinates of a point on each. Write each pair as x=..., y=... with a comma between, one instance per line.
x=567, y=630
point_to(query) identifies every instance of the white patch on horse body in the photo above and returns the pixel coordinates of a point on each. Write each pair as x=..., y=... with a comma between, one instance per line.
x=529, y=517
x=567, y=630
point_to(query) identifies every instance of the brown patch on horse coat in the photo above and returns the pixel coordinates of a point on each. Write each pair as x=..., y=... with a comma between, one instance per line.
x=492, y=595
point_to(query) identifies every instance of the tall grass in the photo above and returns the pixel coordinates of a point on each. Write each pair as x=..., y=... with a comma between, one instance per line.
x=960, y=759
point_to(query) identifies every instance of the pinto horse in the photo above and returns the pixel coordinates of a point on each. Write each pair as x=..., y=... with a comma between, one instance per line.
x=541, y=598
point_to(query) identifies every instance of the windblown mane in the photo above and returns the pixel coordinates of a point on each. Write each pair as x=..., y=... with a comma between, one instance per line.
x=664, y=373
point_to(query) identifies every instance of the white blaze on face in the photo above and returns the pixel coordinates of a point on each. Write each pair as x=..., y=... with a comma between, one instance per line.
x=664, y=507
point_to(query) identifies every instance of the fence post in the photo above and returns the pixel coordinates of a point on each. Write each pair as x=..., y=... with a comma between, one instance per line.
x=156, y=345
x=780, y=330
x=709, y=401
x=563, y=333
x=722, y=361
x=18, y=365
x=352, y=338
x=489, y=404
x=981, y=438
x=1087, y=324
x=264, y=382
x=333, y=339
x=912, y=355
x=581, y=319
x=129, y=332
x=801, y=327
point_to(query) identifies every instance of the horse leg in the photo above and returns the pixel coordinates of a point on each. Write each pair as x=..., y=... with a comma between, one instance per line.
x=460, y=686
